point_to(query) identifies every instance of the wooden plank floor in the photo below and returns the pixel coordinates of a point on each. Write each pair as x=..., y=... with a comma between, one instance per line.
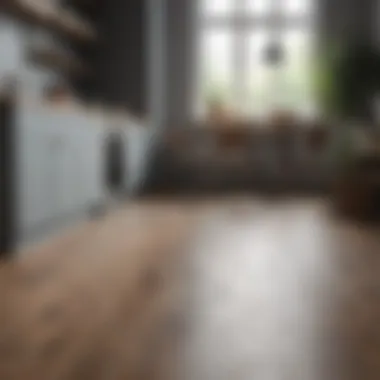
x=233, y=288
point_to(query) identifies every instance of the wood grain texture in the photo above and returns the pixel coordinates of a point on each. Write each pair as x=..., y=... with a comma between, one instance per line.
x=232, y=288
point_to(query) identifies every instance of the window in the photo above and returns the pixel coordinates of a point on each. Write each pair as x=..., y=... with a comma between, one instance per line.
x=303, y=8
x=258, y=7
x=217, y=7
x=235, y=66
x=217, y=66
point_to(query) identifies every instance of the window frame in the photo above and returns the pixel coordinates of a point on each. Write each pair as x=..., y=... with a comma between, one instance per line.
x=241, y=24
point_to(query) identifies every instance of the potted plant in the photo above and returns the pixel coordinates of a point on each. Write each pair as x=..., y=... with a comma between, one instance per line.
x=348, y=79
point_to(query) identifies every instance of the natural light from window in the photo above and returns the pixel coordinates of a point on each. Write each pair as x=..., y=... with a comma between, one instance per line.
x=237, y=67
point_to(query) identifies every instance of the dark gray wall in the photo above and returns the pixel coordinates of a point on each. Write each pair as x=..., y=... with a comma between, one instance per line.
x=180, y=54
x=347, y=19
x=122, y=54
x=337, y=20
x=156, y=65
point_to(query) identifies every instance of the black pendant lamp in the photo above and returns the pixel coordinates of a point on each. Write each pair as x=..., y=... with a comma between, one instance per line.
x=274, y=53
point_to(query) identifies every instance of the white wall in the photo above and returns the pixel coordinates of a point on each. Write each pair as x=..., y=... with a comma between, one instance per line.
x=10, y=48
x=14, y=39
x=60, y=166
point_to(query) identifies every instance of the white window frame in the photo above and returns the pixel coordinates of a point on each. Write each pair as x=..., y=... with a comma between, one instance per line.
x=240, y=23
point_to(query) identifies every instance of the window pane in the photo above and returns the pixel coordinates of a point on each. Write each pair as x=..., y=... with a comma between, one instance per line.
x=287, y=85
x=216, y=74
x=297, y=7
x=295, y=83
x=259, y=7
x=217, y=7
x=259, y=75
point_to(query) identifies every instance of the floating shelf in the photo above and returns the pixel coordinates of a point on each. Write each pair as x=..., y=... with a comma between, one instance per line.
x=57, y=60
x=27, y=11
x=49, y=17
x=73, y=25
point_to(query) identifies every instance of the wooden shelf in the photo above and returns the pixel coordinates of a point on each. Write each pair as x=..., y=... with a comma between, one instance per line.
x=86, y=3
x=57, y=60
x=28, y=12
x=61, y=21
x=73, y=25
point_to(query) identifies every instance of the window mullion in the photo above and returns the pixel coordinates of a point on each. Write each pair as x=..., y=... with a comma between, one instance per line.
x=240, y=57
x=240, y=68
x=244, y=25
x=276, y=33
